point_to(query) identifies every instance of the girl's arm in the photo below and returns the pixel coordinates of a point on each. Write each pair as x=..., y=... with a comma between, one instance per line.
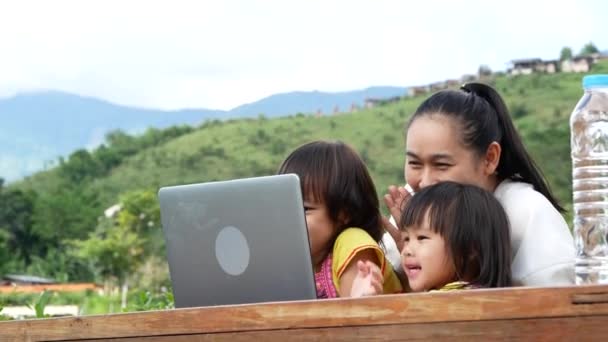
x=369, y=259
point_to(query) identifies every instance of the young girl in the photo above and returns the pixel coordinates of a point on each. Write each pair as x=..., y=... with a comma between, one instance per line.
x=455, y=236
x=342, y=214
x=467, y=136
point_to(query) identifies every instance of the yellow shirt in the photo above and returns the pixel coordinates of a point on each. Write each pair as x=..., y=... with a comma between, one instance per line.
x=456, y=285
x=352, y=241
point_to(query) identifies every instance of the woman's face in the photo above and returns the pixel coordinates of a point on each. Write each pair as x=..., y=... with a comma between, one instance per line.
x=434, y=153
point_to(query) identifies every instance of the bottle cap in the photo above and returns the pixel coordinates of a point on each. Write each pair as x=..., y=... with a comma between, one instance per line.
x=593, y=81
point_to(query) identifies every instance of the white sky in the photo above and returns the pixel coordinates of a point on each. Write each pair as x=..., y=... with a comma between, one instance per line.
x=220, y=54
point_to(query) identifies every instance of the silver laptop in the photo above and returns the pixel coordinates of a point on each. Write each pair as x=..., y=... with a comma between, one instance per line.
x=238, y=241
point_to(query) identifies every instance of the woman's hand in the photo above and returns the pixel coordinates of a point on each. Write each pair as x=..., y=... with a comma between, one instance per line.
x=395, y=200
x=368, y=281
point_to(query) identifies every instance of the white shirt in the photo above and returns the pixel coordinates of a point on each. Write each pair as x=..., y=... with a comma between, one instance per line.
x=543, y=248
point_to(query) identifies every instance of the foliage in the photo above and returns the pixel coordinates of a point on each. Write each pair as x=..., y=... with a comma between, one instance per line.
x=565, y=54
x=588, y=49
x=484, y=70
x=145, y=301
x=40, y=304
x=112, y=250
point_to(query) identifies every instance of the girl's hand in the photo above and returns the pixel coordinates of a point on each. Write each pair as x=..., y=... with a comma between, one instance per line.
x=395, y=200
x=368, y=281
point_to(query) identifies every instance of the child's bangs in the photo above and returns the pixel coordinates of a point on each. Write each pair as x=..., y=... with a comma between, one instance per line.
x=313, y=178
x=436, y=211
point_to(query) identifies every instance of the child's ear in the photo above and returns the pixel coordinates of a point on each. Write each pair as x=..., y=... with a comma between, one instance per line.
x=492, y=158
x=343, y=218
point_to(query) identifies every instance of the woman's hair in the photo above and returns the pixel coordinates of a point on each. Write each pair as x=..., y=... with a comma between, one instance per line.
x=483, y=118
x=474, y=226
x=333, y=174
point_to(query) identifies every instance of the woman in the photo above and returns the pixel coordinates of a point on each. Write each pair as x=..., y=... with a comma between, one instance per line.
x=468, y=136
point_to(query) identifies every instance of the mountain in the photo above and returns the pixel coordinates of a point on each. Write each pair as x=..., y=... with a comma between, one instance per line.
x=311, y=102
x=39, y=127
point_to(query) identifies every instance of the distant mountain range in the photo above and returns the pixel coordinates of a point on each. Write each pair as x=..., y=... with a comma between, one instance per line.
x=41, y=126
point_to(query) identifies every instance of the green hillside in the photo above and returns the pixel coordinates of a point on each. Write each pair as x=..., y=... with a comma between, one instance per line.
x=46, y=215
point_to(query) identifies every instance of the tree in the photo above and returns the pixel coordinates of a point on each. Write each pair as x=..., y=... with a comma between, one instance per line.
x=565, y=54
x=484, y=70
x=80, y=167
x=113, y=251
x=16, y=213
x=140, y=211
x=120, y=244
x=588, y=49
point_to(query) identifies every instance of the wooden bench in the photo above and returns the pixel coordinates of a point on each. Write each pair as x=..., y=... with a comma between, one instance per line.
x=566, y=313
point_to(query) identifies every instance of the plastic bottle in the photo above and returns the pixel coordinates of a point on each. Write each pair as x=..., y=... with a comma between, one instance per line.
x=589, y=147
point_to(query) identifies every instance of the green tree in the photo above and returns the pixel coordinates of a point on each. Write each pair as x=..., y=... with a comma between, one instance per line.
x=565, y=54
x=80, y=166
x=66, y=212
x=588, y=49
x=120, y=244
x=140, y=211
x=113, y=251
x=484, y=70
x=18, y=235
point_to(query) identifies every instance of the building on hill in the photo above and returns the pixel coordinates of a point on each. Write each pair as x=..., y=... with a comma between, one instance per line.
x=550, y=67
x=524, y=66
x=577, y=64
x=373, y=102
x=437, y=86
x=418, y=90
x=532, y=65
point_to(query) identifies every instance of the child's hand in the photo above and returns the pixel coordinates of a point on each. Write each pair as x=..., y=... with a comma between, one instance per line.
x=395, y=200
x=368, y=281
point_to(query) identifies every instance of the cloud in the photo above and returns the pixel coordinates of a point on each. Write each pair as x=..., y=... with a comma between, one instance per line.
x=176, y=54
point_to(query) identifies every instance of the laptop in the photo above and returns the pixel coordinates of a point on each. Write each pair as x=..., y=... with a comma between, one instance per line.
x=238, y=241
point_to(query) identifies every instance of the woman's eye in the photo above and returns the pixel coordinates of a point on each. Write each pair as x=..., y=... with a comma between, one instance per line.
x=422, y=237
x=442, y=166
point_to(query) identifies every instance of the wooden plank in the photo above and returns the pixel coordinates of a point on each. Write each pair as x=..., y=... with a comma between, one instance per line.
x=536, y=329
x=470, y=305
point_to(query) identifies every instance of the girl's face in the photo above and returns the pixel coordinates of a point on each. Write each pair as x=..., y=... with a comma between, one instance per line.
x=434, y=153
x=321, y=230
x=425, y=260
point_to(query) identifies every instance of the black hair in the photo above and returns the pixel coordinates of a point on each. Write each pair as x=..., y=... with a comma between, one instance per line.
x=474, y=226
x=483, y=118
x=332, y=173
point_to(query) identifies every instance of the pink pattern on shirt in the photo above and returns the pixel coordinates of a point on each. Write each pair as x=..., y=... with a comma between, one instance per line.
x=324, y=280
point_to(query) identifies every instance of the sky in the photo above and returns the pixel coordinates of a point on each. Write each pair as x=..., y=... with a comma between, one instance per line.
x=220, y=54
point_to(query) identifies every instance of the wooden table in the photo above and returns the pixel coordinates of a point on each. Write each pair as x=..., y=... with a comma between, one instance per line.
x=566, y=313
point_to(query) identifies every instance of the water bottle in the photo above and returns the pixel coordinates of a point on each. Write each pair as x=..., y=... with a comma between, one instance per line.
x=589, y=146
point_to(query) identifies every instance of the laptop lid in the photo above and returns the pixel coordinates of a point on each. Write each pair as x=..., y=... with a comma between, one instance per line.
x=237, y=241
